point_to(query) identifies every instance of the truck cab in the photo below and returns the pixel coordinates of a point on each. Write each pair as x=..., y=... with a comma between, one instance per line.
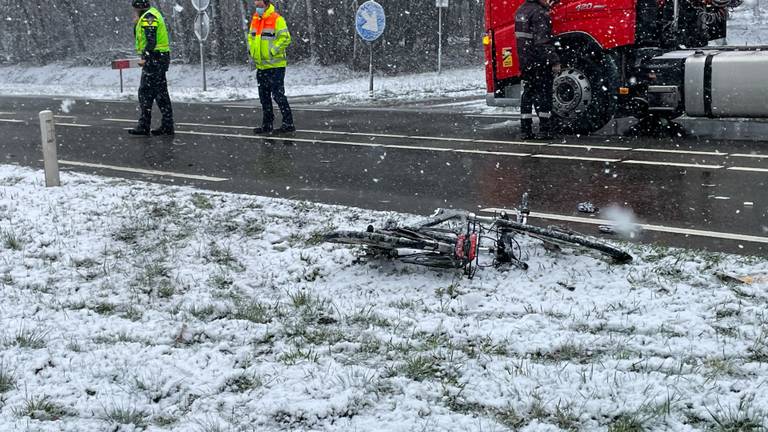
x=617, y=56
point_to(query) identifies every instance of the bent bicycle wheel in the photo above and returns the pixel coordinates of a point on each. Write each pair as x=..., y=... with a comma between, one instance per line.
x=570, y=239
x=381, y=241
x=432, y=260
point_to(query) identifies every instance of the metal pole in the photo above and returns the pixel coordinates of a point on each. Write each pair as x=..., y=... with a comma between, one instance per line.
x=121, y=80
x=370, y=70
x=675, y=15
x=50, y=161
x=440, y=40
x=202, y=62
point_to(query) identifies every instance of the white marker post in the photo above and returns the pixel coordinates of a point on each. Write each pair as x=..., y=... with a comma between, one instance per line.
x=202, y=31
x=50, y=159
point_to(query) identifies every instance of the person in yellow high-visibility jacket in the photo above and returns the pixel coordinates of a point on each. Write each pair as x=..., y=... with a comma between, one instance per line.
x=268, y=38
x=153, y=45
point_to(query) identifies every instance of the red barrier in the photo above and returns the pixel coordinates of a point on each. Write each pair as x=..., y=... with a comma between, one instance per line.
x=121, y=64
x=125, y=63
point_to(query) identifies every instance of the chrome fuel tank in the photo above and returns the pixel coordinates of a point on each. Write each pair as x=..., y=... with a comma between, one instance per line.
x=726, y=83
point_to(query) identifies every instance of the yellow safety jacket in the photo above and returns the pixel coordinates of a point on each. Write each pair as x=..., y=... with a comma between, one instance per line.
x=156, y=21
x=268, y=38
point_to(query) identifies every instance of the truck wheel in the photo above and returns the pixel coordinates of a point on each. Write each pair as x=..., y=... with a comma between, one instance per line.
x=583, y=94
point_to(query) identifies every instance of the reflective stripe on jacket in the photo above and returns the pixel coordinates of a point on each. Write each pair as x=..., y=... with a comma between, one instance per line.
x=152, y=19
x=268, y=38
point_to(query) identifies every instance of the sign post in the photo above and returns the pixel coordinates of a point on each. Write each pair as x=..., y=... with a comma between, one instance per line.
x=124, y=64
x=440, y=5
x=370, y=22
x=202, y=31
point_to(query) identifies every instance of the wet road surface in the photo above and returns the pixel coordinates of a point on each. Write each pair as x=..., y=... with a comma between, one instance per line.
x=702, y=192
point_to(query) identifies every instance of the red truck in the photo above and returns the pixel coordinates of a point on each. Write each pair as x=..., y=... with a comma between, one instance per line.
x=636, y=58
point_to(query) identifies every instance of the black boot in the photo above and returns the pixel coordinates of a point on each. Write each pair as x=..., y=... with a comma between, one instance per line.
x=266, y=129
x=526, y=129
x=139, y=131
x=545, y=129
x=286, y=129
x=163, y=130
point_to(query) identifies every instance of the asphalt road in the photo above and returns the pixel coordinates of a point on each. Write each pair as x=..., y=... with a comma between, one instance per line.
x=703, y=191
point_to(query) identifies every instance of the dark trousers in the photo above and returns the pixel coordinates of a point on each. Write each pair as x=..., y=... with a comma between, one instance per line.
x=154, y=87
x=272, y=85
x=537, y=93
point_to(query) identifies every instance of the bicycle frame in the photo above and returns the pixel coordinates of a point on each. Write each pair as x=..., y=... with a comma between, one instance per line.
x=460, y=246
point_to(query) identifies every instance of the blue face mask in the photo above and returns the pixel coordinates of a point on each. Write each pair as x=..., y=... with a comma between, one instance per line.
x=260, y=11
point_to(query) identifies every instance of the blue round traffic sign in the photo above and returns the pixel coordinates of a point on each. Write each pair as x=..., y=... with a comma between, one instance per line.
x=370, y=21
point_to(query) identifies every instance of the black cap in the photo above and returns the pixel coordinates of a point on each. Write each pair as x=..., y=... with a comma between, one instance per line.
x=141, y=4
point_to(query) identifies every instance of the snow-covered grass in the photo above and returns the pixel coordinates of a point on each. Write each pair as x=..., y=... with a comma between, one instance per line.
x=136, y=306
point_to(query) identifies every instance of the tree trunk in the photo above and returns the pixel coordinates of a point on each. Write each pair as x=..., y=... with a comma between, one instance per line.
x=311, y=31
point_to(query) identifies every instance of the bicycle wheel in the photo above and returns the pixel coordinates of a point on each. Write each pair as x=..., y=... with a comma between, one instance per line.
x=570, y=239
x=432, y=260
x=381, y=241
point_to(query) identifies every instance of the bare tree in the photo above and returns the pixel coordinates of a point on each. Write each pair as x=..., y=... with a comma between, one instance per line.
x=95, y=31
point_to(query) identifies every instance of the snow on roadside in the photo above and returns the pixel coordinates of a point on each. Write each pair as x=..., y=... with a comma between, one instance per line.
x=130, y=306
x=334, y=84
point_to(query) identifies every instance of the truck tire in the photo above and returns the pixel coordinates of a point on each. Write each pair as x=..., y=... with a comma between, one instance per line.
x=584, y=98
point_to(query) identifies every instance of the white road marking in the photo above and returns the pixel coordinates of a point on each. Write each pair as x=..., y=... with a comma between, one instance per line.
x=527, y=143
x=467, y=140
x=497, y=153
x=73, y=125
x=724, y=198
x=647, y=227
x=254, y=137
x=11, y=121
x=292, y=108
x=352, y=133
x=761, y=170
x=6, y=113
x=590, y=159
x=682, y=165
x=312, y=141
x=441, y=139
x=502, y=116
x=64, y=117
x=312, y=109
x=469, y=102
x=143, y=171
x=703, y=153
x=590, y=147
x=325, y=132
x=215, y=125
x=750, y=155
x=405, y=147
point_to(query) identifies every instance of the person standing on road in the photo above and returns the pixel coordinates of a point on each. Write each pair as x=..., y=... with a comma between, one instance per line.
x=153, y=45
x=268, y=39
x=539, y=63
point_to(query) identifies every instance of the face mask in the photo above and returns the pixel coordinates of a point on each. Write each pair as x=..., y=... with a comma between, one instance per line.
x=260, y=11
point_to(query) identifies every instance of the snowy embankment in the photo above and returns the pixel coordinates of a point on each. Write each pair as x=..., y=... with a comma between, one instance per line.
x=333, y=85
x=136, y=306
x=749, y=24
